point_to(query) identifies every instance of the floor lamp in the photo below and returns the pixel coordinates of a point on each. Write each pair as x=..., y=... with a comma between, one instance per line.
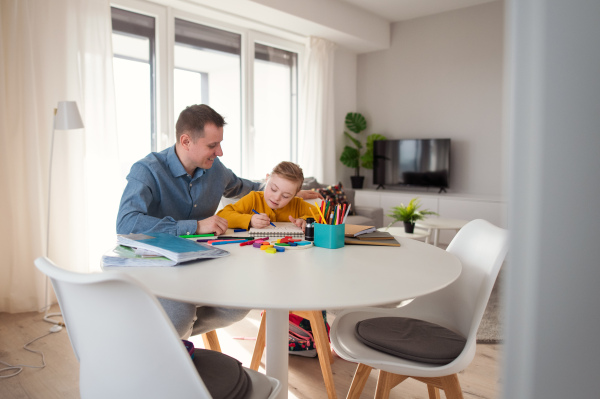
x=66, y=117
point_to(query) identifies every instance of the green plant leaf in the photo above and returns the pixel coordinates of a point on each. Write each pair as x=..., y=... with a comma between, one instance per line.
x=367, y=158
x=355, y=122
x=350, y=157
x=357, y=143
x=409, y=213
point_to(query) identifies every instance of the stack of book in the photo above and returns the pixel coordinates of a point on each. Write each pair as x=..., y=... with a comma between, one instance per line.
x=158, y=249
x=368, y=235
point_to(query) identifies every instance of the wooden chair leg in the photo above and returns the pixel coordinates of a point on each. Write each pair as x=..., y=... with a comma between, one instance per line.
x=211, y=341
x=386, y=382
x=434, y=392
x=317, y=325
x=361, y=375
x=451, y=387
x=316, y=318
x=259, y=347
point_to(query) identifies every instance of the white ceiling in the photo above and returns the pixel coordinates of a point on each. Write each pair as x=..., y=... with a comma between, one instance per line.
x=401, y=10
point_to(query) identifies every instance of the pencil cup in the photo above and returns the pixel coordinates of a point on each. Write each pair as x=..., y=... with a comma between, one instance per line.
x=329, y=236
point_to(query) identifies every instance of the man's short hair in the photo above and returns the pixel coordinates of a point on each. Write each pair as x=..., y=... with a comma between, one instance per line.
x=193, y=119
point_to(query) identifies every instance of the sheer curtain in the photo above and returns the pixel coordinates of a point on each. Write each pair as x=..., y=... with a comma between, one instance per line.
x=53, y=51
x=317, y=132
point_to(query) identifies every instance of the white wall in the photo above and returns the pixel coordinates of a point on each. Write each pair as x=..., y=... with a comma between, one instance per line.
x=345, y=101
x=442, y=77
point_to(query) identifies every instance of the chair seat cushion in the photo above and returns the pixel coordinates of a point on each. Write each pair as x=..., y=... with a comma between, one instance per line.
x=411, y=339
x=224, y=376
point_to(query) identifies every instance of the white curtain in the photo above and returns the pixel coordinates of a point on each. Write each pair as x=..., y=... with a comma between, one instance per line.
x=317, y=131
x=52, y=51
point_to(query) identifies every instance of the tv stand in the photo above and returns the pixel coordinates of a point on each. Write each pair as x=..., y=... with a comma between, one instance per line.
x=442, y=190
x=380, y=186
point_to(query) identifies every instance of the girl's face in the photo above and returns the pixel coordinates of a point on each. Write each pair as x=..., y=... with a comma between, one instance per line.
x=279, y=191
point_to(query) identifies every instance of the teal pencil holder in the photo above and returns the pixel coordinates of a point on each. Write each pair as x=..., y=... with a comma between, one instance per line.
x=329, y=236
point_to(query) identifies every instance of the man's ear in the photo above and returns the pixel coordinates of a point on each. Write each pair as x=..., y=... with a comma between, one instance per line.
x=184, y=141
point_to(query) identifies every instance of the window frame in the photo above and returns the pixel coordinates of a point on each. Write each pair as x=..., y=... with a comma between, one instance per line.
x=165, y=16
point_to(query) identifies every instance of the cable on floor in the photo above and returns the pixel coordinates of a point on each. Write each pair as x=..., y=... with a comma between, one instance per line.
x=19, y=367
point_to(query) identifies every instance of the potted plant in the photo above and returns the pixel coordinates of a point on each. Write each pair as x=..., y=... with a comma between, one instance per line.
x=409, y=214
x=351, y=155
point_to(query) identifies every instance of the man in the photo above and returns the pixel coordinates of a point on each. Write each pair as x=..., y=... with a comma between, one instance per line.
x=177, y=191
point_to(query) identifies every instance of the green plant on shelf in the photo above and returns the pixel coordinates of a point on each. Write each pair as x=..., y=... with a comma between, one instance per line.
x=410, y=213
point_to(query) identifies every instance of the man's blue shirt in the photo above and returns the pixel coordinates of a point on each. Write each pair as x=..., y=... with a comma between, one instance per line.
x=161, y=197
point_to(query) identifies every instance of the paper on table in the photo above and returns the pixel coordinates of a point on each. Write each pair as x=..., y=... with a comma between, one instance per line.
x=126, y=256
x=281, y=229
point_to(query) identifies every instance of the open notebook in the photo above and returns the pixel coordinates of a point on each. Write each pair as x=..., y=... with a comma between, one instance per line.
x=281, y=229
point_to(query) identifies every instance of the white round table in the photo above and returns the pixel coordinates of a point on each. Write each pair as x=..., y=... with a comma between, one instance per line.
x=437, y=224
x=310, y=279
x=399, y=232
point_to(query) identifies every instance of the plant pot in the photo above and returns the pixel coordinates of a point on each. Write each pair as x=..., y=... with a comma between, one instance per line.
x=409, y=227
x=357, y=181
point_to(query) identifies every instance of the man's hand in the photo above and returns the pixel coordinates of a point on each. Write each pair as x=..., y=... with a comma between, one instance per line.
x=309, y=194
x=260, y=221
x=299, y=222
x=214, y=224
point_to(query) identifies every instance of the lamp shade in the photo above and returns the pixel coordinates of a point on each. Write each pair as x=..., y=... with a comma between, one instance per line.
x=67, y=116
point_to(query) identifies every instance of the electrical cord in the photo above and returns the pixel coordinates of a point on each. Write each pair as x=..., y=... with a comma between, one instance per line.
x=19, y=367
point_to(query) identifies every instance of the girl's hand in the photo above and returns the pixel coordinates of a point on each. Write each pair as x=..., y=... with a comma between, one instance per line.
x=260, y=221
x=299, y=222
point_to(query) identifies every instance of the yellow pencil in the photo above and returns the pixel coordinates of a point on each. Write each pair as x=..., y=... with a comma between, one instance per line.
x=320, y=213
x=313, y=214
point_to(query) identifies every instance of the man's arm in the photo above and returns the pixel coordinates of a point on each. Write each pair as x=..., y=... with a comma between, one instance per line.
x=133, y=216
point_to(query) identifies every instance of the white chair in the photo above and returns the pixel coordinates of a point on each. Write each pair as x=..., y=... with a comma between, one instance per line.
x=125, y=343
x=481, y=248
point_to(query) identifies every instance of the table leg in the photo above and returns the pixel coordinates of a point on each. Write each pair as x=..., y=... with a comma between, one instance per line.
x=436, y=234
x=277, y=344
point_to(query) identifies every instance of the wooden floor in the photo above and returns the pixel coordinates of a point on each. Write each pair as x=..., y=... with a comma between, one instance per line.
x=59, y=379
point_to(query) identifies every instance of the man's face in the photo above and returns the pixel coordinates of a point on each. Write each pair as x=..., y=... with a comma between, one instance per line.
x=279, y=191
x=205, y=150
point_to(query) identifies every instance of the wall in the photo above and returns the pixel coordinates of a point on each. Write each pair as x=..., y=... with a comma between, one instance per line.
x=442, y=77
x=345, y=100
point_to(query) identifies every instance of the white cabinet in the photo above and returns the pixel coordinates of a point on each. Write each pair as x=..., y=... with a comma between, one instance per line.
x=447, y=205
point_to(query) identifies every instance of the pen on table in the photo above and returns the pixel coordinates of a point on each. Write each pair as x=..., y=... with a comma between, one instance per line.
x=347, y=212
x=222, y=242
x=246, y=338
x=197, y=235
x=254, y=210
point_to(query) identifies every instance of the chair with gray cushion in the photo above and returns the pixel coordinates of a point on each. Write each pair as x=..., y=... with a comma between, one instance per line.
x=127, y=347
x=432, y=338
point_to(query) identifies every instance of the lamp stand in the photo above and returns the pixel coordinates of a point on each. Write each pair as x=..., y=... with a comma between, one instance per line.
x=66, y=117
x=47, y=316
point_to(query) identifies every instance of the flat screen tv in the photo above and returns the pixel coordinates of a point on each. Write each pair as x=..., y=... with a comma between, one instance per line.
x=411, y=162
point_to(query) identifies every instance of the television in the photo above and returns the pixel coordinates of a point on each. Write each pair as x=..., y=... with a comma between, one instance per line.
x=411, y=162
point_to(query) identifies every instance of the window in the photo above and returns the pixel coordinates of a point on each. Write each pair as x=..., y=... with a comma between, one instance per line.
x=208, y=71
x=275, y=107
x=250, y=78
x=133, y=64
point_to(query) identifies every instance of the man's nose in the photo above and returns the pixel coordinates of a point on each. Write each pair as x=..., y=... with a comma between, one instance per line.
x=219, y=151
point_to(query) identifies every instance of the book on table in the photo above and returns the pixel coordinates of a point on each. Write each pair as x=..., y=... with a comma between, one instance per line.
x=127, y=256
x=281, y=229
x=355, y=230
x=376, y=235
x=172, y=247
x=378, y=242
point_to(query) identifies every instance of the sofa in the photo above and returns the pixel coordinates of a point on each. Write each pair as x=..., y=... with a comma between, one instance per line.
x=362, y=215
